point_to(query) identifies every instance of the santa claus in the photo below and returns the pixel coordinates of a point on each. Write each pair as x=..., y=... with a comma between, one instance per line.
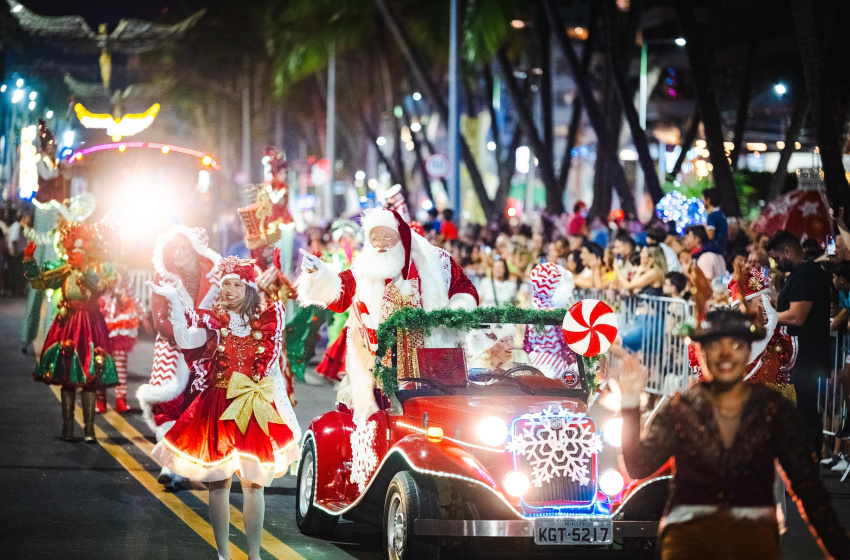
x=182, y=259
x=396, y=269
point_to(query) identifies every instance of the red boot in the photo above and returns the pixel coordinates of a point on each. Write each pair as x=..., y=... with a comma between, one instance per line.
x=121, y=405
x=100, y=407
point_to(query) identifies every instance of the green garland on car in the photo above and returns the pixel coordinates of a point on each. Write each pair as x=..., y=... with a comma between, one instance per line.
x=415, y=318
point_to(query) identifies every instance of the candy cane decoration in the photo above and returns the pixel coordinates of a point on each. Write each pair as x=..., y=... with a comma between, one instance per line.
x=590, y=326
x=365, y=325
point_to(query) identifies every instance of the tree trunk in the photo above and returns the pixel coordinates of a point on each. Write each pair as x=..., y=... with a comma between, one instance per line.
x=554, y=205
x=507, y=165
x=431, y=90
x=701, y=68
x=625, y=95
x=396, y=175
x=820, y=109
x=798, y=119
x=607, y=147
x=746, y=88
x=687, y=142
x=575, y=117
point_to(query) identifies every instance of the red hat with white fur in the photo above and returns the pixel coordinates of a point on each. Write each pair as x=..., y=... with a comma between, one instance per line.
x=756, y=282
x=241, y=269
x=393, y=220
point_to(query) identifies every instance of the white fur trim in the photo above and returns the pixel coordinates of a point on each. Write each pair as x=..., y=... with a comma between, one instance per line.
x=173, y=279
x=462, y=301
x=237, y=277
x=379, y=217
x=358, y=393
x=149, y=395
x=564, y=290
x=321, y=287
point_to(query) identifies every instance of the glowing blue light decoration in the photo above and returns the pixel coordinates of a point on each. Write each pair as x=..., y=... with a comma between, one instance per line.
x=674, y=207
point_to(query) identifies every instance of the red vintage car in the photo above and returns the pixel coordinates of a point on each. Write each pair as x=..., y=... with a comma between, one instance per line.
x=497, y=452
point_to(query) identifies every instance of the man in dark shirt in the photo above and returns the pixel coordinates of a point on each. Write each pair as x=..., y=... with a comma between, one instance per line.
x=715, y=222
x=803, y=305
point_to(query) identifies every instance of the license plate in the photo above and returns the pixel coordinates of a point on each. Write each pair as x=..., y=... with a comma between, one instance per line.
x=573, y=530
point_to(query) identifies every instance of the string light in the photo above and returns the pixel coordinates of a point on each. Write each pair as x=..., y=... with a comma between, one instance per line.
x=674, y=207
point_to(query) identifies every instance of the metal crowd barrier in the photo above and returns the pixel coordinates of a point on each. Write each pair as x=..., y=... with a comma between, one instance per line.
x=138, y=278
x=831, y=392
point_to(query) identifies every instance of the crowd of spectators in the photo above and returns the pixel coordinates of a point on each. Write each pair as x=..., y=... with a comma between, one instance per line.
x=13, y=226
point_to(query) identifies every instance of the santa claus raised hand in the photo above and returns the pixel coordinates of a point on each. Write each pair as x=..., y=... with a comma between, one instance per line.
x=396, y=269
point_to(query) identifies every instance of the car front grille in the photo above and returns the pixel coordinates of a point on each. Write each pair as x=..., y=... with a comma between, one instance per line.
x=550, y=450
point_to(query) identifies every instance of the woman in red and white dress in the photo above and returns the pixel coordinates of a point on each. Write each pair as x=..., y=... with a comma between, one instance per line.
x=242, y=422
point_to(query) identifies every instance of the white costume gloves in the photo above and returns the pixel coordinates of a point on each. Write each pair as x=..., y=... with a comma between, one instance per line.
x=185, y=336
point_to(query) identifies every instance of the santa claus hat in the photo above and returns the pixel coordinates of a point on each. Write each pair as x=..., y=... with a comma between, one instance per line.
x=551, y=286
x=755, y=282
x=482, y=339
x=393, y=220
x=198, y=239
x=241, y=269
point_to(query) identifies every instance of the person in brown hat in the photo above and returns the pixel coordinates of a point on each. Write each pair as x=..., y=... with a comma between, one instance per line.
x=724, y=435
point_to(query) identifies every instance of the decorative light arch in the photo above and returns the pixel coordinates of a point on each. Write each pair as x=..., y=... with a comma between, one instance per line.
x=206, y=159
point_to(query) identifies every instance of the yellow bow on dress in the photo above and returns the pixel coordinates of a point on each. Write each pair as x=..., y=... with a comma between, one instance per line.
x=251, y=398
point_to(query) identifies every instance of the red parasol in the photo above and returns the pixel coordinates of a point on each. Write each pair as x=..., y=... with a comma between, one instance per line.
x=804, y=212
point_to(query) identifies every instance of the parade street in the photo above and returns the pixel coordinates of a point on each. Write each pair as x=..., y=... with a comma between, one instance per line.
x=98, y=502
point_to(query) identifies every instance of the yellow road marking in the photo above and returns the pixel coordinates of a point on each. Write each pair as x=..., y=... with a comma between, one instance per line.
x=172, y=502
x=271, y=544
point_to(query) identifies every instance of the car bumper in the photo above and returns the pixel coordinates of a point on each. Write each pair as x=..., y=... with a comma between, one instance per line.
x=516, y=528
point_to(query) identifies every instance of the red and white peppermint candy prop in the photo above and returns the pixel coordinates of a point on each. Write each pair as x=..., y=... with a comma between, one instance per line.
x=365, y=325
x=590, y=326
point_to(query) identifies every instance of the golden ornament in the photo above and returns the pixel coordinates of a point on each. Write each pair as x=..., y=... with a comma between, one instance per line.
x=221, y=348
x=257, y=335
x=98, y=360
x=261, y=349
x=225, y=331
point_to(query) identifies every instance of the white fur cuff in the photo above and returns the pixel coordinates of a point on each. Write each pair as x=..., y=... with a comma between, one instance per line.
x=321, y=287
x=462, y=301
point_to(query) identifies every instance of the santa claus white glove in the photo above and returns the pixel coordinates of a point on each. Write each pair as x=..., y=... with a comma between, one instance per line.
x=310, y=263
x=186, y=337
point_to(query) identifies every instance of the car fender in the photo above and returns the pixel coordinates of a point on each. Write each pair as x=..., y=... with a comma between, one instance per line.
x=331, y=434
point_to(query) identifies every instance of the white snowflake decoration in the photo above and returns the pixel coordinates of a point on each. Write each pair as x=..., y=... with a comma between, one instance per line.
x=364, y=460
x=567, y=451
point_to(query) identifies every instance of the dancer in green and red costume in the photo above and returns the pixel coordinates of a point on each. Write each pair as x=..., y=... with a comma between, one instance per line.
x=76, y=352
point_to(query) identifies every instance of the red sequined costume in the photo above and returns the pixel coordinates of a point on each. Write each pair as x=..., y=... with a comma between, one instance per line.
x=121, y=312
x=242, y=422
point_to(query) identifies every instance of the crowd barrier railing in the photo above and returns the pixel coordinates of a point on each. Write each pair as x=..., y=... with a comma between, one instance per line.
x=831, y=392
x=138, y=280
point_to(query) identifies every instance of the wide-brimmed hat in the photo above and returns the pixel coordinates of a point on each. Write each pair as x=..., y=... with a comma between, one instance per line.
x=726, y=322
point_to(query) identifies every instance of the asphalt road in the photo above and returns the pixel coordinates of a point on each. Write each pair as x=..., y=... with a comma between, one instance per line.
x=102, y=501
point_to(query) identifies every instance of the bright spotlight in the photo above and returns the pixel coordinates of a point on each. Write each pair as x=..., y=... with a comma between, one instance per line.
x=612, y=431
x=20, y=82
x=18, y=95
x=206, y=160
x=380, y=141
x=68, y=137
x=680, y=41
x=493, y=431
x=3, y=88
x=360, y=175
x=31, y=105
x=17, y=8
x=417, y=96
x=427, y=204
x=491, y=146
x=49, y=114
x=415, y=127
x=780, y=89
x=33, y=95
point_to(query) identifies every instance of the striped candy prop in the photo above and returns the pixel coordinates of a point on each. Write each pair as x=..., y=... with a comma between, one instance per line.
x=590, y=327
x=366, y=325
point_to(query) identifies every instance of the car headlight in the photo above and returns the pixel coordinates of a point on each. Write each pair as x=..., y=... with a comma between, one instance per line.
x=493, y=431
x=612, y=432
x=516, y=483
x=611, y=482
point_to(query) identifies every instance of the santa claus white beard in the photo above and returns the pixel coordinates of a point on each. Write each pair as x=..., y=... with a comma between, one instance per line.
x=373, y=265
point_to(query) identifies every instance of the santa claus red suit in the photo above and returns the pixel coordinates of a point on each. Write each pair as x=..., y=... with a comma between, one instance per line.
x=396, y=269
x=182, y=259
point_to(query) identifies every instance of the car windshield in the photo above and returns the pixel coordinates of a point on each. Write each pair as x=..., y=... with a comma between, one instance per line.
x=505, y=358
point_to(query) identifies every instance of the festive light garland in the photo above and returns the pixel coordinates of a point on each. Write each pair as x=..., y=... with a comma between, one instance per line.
x=206, y=159
x=415, y=318
x=674, y=207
